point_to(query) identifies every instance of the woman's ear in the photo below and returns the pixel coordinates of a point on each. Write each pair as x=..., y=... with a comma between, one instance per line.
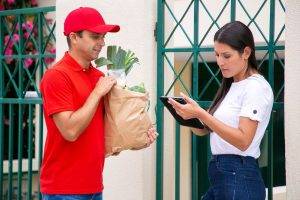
x=246, y=53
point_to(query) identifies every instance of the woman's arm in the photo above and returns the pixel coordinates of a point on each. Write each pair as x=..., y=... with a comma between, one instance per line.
x=200, y=132
x=240, y=137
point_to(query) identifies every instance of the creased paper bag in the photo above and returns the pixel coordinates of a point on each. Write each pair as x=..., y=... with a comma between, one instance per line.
x=126, y=120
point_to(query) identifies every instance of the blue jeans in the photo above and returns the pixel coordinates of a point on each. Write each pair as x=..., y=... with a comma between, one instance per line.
x=97, y=196
x=234, y=177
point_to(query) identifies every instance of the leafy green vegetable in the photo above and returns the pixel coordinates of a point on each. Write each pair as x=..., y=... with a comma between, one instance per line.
x=138, y=88
x=102, y=61
x=118, y=58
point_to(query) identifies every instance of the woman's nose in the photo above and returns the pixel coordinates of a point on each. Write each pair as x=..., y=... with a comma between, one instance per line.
x=220, y=61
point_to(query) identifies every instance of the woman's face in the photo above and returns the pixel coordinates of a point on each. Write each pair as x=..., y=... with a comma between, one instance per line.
x=231, y=62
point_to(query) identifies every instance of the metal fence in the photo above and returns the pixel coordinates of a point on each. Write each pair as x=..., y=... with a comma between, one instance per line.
x=207, y=17
x=21, y=68
x=27, y=46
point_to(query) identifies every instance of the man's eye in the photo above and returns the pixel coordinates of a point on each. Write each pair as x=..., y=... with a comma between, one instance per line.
x=96, y=37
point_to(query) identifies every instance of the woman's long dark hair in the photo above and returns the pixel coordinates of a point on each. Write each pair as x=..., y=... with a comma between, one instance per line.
x=238, y=36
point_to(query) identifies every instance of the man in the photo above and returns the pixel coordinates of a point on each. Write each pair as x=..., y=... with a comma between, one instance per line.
x=73, y=92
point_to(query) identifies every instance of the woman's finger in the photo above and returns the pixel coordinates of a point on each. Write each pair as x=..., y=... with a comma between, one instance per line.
x=186, y=98
x=174, y=103
x=177, y=106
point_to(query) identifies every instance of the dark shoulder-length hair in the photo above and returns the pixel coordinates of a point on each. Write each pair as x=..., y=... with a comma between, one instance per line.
x=238, y=36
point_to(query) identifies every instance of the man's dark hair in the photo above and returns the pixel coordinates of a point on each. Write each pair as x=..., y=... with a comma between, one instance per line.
x=79, y=33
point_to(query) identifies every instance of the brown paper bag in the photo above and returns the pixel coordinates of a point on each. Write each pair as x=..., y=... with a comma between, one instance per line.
x=126, y=120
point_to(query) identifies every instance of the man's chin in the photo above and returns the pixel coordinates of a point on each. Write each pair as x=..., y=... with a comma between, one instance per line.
x=95, y=56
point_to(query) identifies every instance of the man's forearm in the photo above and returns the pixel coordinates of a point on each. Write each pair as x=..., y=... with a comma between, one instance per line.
x=72, y=124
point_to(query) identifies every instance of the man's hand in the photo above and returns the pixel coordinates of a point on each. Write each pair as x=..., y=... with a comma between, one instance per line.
x=104, y=85
x=152, y=135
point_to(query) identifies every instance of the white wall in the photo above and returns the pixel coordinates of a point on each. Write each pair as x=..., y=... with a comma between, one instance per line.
x=130, y=176
x=46, y=3
x=292, y=99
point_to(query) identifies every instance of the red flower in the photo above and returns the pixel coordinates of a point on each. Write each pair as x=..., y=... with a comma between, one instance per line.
x=8, y=52
x=34, y=3
x=11, y=41
x=50, y=50
x=28, y=62
x=10, y=2
x=28, y=25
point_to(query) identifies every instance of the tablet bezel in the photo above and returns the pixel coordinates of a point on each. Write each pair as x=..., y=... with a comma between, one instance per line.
x=194, y=122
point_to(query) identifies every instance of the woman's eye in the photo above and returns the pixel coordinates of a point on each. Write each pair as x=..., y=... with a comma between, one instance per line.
x=226, y=56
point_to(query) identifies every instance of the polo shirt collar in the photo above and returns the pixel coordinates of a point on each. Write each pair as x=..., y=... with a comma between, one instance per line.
x=74, y=65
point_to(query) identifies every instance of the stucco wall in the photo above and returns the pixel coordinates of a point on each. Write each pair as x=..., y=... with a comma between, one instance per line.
x=131, y=175
x=292, y=99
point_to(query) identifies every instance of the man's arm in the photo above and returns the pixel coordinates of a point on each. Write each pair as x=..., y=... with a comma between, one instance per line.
x=72, y=123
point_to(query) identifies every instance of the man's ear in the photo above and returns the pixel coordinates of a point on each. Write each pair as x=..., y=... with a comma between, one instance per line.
x=246, y=53
x=73, y=37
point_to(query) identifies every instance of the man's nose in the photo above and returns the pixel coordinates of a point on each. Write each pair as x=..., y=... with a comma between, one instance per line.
x=102, y=42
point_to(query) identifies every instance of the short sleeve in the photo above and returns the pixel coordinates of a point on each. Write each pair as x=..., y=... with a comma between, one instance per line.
x=256, y=101
x=56, y=89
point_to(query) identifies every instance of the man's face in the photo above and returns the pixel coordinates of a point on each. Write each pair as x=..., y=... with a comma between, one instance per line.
x=89, y=44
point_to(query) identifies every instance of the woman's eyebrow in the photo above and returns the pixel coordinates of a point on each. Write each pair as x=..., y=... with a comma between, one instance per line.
x=222, y=53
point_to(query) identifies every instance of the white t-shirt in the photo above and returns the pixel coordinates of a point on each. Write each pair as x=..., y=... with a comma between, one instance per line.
x=252, y=98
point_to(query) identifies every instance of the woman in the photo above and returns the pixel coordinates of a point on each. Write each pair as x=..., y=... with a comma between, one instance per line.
x=237, y=118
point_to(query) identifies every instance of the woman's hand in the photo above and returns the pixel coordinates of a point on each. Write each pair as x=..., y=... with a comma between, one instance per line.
x=189, y=110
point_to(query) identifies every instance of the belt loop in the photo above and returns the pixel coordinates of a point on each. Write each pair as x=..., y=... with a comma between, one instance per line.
x=243, y=159
x=215, y=158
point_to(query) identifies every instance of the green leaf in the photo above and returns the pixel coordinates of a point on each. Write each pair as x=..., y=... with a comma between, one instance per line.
x=130, y=59
x=102, y=61
x=111, y=52
x=120, y=58
x=138, y=88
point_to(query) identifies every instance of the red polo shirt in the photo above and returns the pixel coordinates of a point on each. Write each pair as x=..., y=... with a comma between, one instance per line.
x=71, y=167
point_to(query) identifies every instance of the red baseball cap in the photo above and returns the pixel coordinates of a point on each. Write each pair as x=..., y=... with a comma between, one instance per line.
x=86, y=18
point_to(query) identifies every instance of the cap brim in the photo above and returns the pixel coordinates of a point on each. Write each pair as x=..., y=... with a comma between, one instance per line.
x=105, y=28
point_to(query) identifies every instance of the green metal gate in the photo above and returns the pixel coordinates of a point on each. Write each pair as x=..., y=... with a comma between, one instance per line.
x=27, y=45
x=205, y=78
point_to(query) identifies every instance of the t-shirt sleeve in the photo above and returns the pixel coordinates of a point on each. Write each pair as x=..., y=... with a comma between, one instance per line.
x=256, y=101
x=56, y=92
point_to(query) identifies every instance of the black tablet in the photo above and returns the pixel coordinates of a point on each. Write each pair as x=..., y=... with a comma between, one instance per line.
x=194, y=122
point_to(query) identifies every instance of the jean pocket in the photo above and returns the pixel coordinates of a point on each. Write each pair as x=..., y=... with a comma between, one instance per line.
x=227, y=168
x=252, y=174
